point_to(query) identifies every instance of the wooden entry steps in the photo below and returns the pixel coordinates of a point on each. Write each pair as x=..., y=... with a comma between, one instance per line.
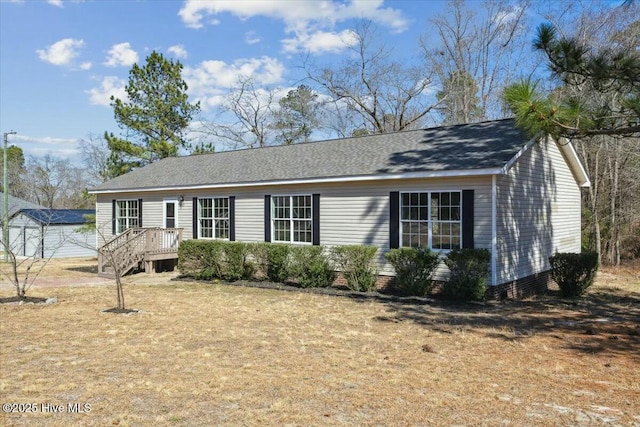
x=138, y=247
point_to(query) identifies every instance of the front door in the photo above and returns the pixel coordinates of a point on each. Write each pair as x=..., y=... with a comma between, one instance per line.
x=170, y=237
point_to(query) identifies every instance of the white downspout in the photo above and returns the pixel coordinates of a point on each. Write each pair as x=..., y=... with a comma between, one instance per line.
x=494, y=229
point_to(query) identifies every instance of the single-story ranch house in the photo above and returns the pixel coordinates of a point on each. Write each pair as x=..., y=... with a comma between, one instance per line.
x=482, y=185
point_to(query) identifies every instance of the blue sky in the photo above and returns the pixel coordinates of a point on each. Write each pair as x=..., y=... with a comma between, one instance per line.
x=60, y=60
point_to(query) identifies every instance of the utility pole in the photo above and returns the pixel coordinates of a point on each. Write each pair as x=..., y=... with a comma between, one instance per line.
x=5, y=223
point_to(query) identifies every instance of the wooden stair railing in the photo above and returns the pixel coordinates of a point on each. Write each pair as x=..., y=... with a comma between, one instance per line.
x=123, y=252
x=129, y=249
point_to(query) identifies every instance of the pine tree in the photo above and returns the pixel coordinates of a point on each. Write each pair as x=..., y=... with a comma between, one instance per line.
x=154, y=117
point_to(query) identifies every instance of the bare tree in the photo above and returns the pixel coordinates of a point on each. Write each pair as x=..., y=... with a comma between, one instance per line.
x=114, y=259
x=95, y=156
x=379, y=94
x=26, y=263
x=56, y=183
x=252, y=109
x=475, y=55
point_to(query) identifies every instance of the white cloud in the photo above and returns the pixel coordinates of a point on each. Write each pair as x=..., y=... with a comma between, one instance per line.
x=251, y=37
x=306, y=19
x=109, y=86
x=85, y=66
x=61, y=52
x=40, y=146
x=320, y=41
x=57, y=3
x=178, y=51
x=121, y=54
x=210, y=81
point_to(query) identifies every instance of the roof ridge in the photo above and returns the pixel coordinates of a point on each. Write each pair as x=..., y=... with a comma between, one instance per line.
x=345, y=138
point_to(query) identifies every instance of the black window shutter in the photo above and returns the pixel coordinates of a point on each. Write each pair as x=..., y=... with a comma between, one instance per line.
x=194, y=220
x=267, y=218
x=394, y=220
x=113, y=217
x=139, y=212
x=232, y=218
x=315, y=219
x=467, y=219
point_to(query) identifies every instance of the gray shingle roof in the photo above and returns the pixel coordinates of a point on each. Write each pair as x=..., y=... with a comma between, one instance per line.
x=16, y=204
x=467, y=147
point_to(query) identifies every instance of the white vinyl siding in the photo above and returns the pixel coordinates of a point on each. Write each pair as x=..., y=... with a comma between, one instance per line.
x=350, y=213
x=538, y=212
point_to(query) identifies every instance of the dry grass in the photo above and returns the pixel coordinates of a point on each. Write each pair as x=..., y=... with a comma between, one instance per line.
x=205, y=355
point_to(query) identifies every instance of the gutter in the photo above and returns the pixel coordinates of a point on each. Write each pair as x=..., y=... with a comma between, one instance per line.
x=340, y=179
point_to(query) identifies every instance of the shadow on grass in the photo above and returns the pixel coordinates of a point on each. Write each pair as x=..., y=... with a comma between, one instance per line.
x=603, y=321
x=93, y=269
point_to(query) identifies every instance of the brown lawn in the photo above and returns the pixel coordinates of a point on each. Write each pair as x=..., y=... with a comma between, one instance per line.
x=210, y=354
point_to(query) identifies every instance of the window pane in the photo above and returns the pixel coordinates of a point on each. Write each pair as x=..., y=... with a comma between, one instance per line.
x=436, y=242
x=413, y=213
x=423, y=213
x=446, y=214
x=455, y=199
x=434, y=212
x=222, y=229
x=405, y=199
x=455, y=213
x=414, y=199
x=282, y=230
x=405, y=212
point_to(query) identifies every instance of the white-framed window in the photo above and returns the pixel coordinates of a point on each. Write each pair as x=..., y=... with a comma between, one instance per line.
x=431, y=219
x=213, y=218
x=292, y=219
x=127, y=214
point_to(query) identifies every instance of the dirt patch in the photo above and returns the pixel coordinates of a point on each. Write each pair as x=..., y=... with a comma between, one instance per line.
x=22, y=300
x=120, y=311
x=212, y=354
x=55, y=273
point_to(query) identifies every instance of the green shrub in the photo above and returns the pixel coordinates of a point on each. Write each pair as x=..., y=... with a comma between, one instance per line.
x=358, y=266
x=237, y=266
x=414, y=268
x=468, y=279
x=258, y=253
x=202, y=259
x=276, y=261
x=574, y=273
x=311, y=267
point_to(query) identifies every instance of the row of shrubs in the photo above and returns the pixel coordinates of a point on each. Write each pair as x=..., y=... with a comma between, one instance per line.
x=309, y=266
x=468, y=271
x=314, y=266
